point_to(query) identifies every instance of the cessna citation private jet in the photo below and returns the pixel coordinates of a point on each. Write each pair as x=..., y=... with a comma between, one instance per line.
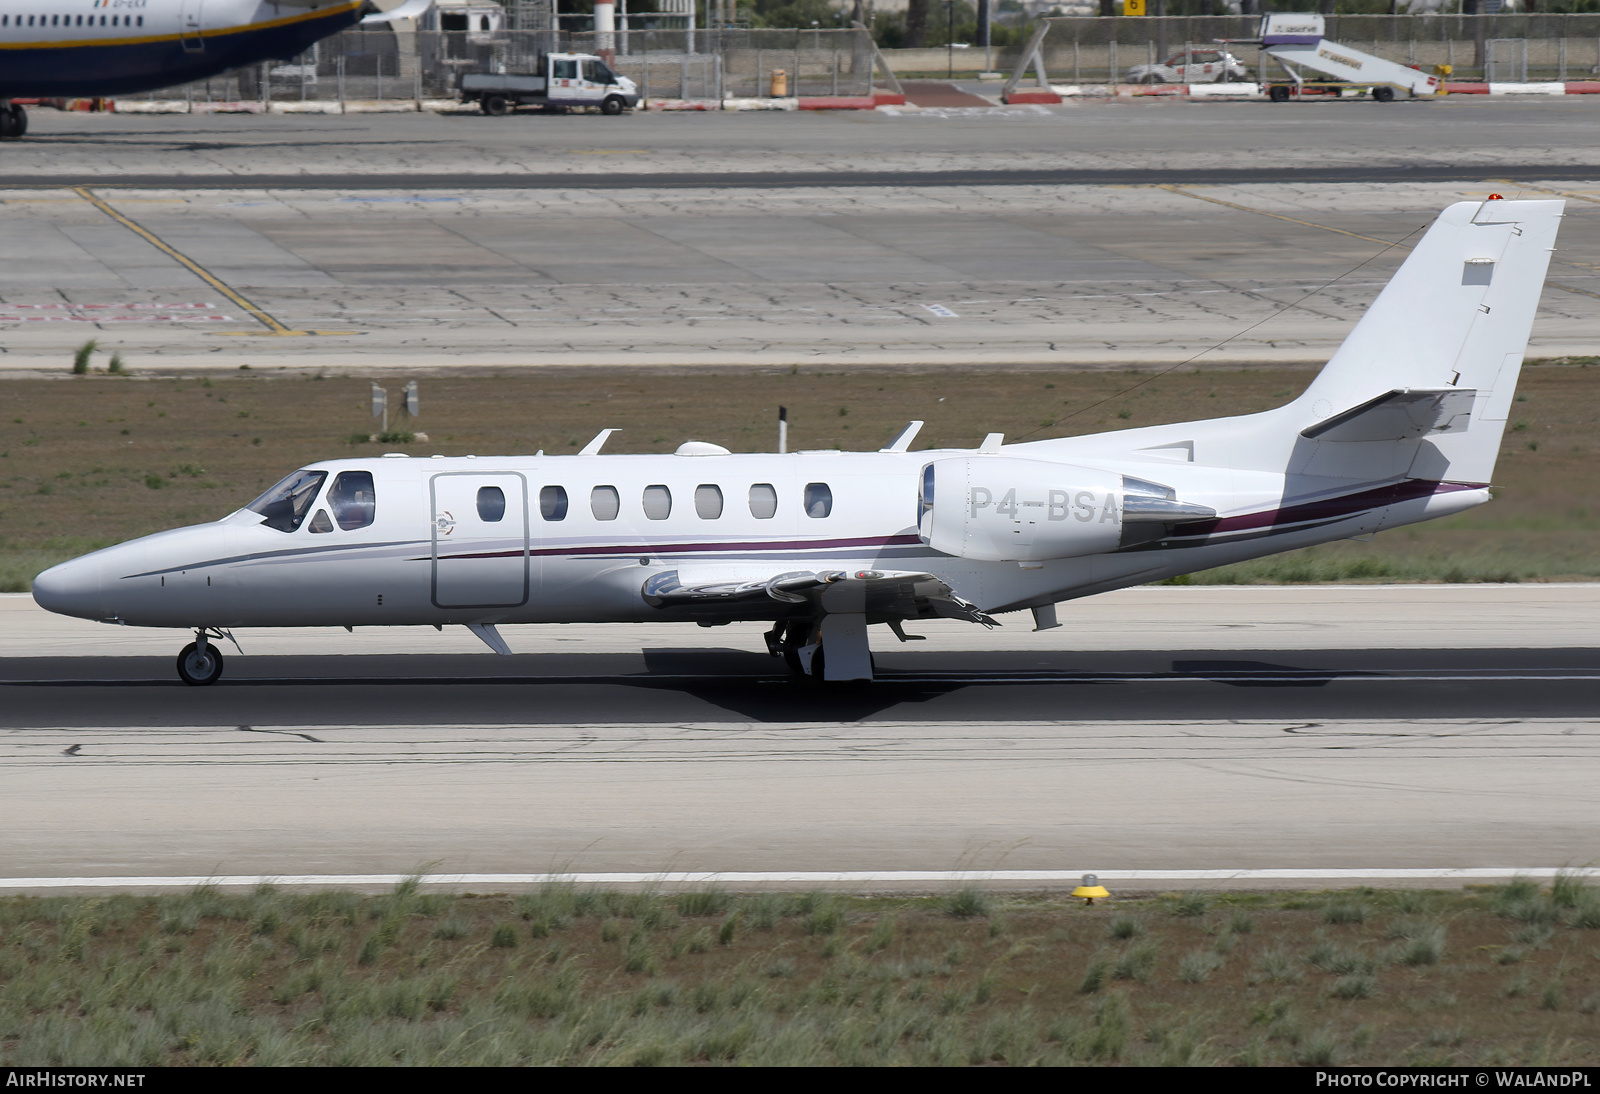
x=1402, y=425
x=88, y=48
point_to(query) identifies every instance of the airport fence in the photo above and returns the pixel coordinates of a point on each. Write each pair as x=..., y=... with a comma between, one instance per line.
x=380, y=64
x=1509, y=47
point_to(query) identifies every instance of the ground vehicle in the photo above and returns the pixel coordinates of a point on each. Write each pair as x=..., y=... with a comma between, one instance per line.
x=1191, y=66
x=563, y=79
x=1295, y=41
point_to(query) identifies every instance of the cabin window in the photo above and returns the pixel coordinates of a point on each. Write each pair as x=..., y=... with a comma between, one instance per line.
x=605, y=503
x=141, y=20
x=452, y=22
x=114, y=19
x=284, y=506
x=353, y=500
x=763, y=501
x=320, y=522
x=491, y=504
x=55, y=20
x=708, y=501
x=553, y=503
x=819, y=499
x=657, y=502
x=564, y=69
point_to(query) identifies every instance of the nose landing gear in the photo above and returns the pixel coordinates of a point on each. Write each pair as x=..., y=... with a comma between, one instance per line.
x=200, y=662
x=13, y=121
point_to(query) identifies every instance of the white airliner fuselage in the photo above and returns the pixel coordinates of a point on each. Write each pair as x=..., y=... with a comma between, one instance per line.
x=1402, y=425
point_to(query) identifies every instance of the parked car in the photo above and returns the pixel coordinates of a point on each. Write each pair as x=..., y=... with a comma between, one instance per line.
x=1196, y=66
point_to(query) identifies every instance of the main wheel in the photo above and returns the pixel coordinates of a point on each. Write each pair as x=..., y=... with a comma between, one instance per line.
x=200, y=668
x=1278, y=93
x=1383, y=94
x=612, y=106
x=13, y=121
x=494, y=105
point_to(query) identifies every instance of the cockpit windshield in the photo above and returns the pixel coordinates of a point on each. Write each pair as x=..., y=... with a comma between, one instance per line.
x=285, y=505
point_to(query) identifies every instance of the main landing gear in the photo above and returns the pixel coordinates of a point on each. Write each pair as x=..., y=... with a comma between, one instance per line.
x=830, y=649
x=200, y=663
x=13, y=121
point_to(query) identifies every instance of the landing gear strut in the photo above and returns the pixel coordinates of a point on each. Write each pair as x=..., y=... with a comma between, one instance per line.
x=800, y=643
x=785, y=639
x=13, y=121
x=200, y=663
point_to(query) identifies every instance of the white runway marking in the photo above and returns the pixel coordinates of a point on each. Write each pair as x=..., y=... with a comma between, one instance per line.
x=1043, y=878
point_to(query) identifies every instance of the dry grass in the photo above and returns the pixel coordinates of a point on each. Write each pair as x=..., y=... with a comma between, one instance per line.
x=91, y=460
x=570, y=976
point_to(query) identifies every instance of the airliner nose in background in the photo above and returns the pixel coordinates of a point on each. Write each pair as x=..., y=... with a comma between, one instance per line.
x=87, y=48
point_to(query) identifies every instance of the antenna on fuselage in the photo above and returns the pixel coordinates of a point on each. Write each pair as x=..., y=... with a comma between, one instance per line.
x=783, y=429
x=902, y=440
x=594, y=446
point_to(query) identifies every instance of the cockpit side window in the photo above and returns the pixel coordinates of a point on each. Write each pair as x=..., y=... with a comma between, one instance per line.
x=285, y=506
x=353, y=500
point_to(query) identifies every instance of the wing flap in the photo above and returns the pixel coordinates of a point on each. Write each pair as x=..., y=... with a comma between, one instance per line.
x=876, y=593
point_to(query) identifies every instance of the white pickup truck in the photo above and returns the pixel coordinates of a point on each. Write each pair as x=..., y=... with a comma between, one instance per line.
x=564, y=80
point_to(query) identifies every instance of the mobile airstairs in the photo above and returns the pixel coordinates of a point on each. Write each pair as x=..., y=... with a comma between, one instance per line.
x=1296, y=42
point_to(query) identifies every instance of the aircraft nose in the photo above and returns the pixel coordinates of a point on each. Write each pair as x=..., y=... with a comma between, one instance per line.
x=72, y=588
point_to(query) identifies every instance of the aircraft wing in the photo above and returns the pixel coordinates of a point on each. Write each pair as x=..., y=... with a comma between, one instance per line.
x=410, y=9
x=881, y=594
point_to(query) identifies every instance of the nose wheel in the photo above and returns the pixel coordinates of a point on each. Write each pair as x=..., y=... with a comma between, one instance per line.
x=200, y=663
x=13, y=121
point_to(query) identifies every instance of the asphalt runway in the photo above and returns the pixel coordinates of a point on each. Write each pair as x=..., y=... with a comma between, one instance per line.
x=715, y=685
x=1456, y=134
x=637, y=751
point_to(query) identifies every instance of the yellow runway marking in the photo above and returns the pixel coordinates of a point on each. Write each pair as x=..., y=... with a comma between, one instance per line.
x=273, y=326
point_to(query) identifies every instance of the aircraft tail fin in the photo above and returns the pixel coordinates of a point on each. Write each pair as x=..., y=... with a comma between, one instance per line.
x=1437, y=355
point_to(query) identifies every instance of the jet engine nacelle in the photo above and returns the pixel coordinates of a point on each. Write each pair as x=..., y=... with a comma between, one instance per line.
x=1002, y=510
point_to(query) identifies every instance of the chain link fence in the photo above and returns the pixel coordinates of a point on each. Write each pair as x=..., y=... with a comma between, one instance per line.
x=377, y=64
x=1511, y=48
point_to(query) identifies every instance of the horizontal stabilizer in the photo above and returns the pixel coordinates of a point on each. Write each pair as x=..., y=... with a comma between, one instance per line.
x=1401, y=415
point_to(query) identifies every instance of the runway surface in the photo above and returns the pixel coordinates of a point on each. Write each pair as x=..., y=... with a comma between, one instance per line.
x=687, y=752
x=1082, y=236
x=1511, y=174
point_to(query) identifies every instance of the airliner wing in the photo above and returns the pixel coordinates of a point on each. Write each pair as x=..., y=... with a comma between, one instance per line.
x=885, y=594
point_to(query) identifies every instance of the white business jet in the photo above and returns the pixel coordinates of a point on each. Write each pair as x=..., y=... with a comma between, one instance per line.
x=91, y=48
x=1402, y=425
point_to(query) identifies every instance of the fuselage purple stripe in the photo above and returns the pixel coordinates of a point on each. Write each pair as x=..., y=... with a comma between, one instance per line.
x=1325, y=509
x=710, y=548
